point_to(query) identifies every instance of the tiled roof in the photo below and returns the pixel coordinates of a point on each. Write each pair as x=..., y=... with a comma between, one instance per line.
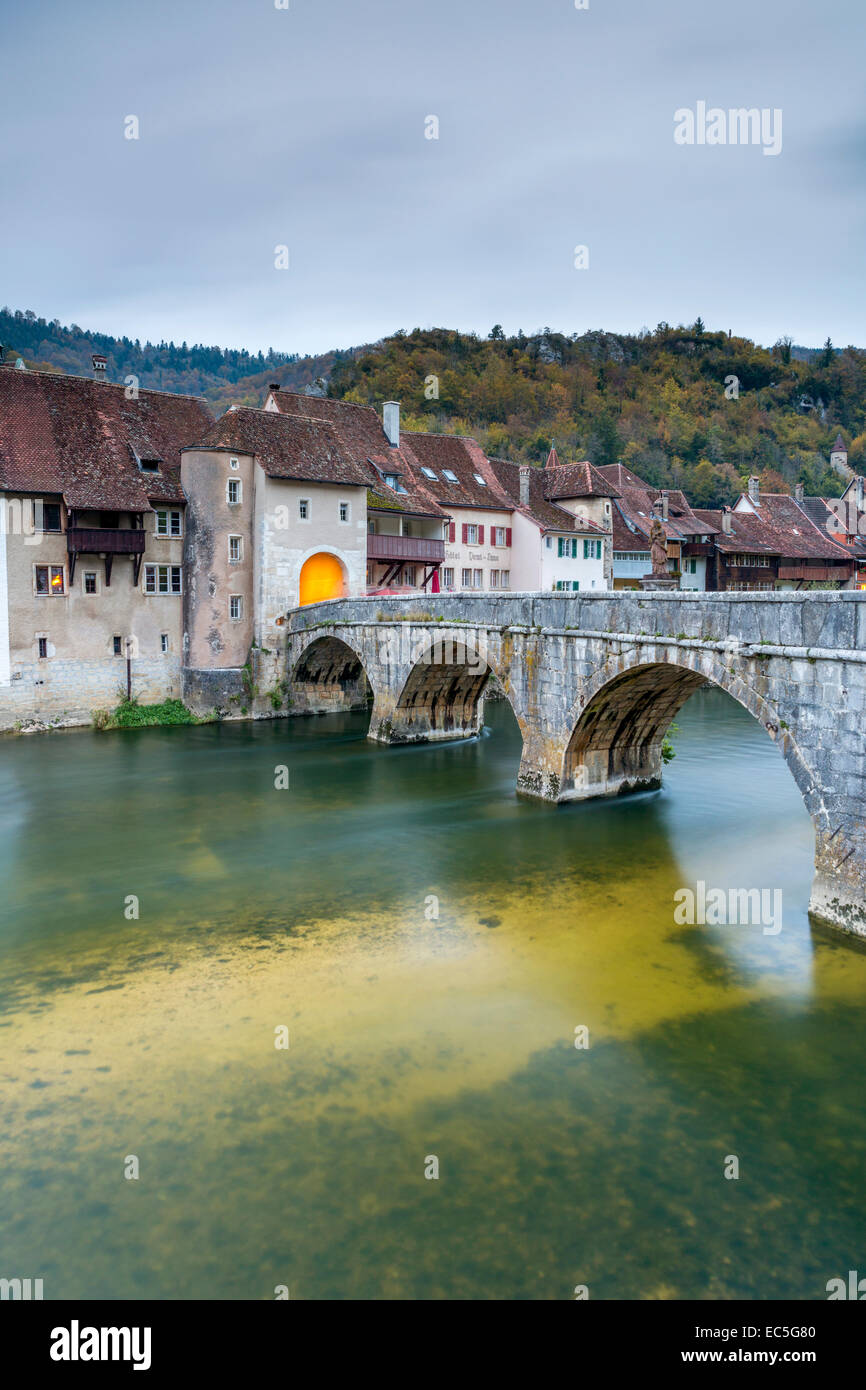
x=364, y=442
x=461, y=456
x=749, y=534
x=287, y=446
x=636, y=503
x=78, y=438
x=562, y=480
x=547, y=515
x=798, y=536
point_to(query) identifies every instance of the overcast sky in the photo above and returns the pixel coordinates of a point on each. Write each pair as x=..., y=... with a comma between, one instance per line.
x=305, y=127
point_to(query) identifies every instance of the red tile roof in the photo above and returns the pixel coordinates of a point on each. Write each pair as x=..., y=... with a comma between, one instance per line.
x=636, y=505
x=549, y=516
x=564, y=480
x=288, y=446
x=78, y=438
x=796, y=534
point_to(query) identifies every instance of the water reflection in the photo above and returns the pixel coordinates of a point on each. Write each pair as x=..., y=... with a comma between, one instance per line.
x=412, y=1036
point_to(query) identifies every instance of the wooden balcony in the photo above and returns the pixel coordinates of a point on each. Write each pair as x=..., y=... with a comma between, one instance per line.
x=103, y=540
x=108, y=541
x=816, y=572
x=385, y=548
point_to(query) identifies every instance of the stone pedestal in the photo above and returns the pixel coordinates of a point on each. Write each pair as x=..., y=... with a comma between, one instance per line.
x=659, y=581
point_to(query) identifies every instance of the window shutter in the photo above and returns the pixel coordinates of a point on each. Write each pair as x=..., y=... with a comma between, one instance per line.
x=452, y=531
x=465, y=533
x=480, y=535
x=508, y=535
x=560, y=545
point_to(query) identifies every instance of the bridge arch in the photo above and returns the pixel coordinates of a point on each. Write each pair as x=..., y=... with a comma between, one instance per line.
x=441, y=696
x=326, y=675
x=619, y=721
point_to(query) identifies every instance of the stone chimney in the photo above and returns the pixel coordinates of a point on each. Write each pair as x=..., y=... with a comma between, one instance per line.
x=662, y=505
x=755, y=491
x=860, y=492
x=799, y=492
x=99, y=365
x=525, y=471
x=726, y=520
x=391, y=422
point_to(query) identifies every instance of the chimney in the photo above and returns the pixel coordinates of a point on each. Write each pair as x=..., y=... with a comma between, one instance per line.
x=273, y=386
x=726, y=520
x=391, y=422
x=524, y=484
x=799, y=492
x=99, y=365
x=755, y=491
x=662, y=504
x=860, y=490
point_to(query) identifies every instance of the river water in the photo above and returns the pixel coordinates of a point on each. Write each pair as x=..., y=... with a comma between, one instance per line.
x=414, y=1036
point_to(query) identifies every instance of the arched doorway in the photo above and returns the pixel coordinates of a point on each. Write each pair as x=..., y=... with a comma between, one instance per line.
x=322, y=577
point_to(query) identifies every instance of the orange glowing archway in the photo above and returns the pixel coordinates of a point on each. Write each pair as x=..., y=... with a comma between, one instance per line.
x=322, y=576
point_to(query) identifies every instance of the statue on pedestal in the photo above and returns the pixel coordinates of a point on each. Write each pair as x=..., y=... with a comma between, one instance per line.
x=658, y=549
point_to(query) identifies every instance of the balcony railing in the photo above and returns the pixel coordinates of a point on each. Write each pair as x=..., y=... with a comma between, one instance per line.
x=103, y=540
x=816, y=572
x=405, y=548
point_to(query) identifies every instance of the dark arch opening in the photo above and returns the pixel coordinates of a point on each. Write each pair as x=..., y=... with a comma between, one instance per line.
x=329, y=676
x=443, y=695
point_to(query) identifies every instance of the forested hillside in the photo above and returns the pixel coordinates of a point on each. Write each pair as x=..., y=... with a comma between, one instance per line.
x=665, y=402
x=225, y=376
x=684, y=407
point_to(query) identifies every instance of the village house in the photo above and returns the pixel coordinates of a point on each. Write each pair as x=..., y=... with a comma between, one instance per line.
x=807, y=554
x=91, y=542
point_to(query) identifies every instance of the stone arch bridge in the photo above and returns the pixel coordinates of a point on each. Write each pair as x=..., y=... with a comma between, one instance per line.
x=594, y=681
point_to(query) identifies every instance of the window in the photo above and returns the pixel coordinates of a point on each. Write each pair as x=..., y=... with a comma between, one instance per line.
x=163, y=641
x=391, y=480
x=592, y=550
x=447, y=579
x=482, y=482
x=750, y=561
x=236, y=550
x=428, y=473
x=406, y=528
x=148, y=465
x=168, y=523
x=466, y=579
x=236, y=608
x=637, y=555
x=304, y=509
x=233, y=463
x=499, y=535
x=567, y=586
x=162, y=579
x=409, y=575
x=452, y=477
x=117, y=646
x=46, y=516
x=42, y=645
x=344, y=511
x=690, y=565
x=494, y=579
x=50, y=579
x=478, y=579
x=567, y=546
x=471, y=535
x=233, y=491
x=548, y=541
x=505, y=579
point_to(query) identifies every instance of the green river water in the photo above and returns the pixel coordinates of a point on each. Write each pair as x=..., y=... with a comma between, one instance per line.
x=410, y=1035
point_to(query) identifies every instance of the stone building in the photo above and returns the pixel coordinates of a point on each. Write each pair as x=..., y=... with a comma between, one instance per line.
x=91, y=543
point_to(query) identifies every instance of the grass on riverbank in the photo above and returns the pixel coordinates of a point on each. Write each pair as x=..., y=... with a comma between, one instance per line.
x=129, y=714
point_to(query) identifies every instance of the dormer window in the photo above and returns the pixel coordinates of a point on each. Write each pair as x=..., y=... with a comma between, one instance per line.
x=391, y=480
